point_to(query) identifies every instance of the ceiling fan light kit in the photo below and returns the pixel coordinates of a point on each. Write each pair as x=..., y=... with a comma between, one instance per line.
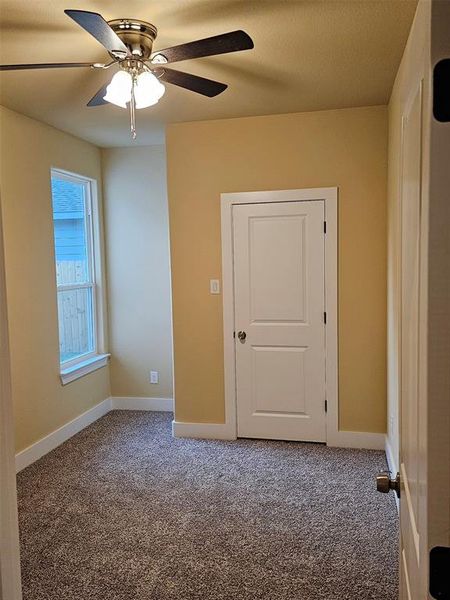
x=137, y=84
x=147, y=89
x=118, y=92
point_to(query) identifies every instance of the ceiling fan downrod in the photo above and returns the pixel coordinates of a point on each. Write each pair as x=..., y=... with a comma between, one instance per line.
x=133, y=112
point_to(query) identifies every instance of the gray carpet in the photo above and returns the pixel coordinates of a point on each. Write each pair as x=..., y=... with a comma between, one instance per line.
x=124, y=511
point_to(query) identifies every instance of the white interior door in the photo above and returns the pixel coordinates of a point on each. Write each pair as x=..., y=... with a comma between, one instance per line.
x=425, y=314
x=279, y=307
x=413, y=434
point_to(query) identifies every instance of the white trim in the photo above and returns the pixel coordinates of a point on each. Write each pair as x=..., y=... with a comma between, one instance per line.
x=99, y=270
x=223, y=431
x=357, y=439
x=51, y=441
x=74, y=286
x=75, y=362
x=410, y=512
x=141, y=403
x=406, y=577
x=81, y=369
x=392, y=465
x=331, y=306
x=207, y=431
x=330, y=198
x=391, y=461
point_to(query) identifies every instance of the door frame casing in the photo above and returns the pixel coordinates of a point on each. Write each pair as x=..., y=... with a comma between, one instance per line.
x=330, y=198
x=10, y=579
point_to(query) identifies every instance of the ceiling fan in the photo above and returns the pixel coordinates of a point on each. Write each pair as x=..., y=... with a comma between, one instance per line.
x=141, y=71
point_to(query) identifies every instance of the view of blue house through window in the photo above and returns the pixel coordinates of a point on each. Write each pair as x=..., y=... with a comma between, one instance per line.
x=72, y=220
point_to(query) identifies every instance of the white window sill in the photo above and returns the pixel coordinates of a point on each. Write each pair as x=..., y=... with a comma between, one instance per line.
x=83, y=368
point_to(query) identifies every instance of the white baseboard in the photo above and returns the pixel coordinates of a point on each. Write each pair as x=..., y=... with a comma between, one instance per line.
x=51, y=441
x=357, y=439
x=29, y=455
x=223, y=431
x=207, y=431
x=392, y=464
x=139, y=403
x=216, y=431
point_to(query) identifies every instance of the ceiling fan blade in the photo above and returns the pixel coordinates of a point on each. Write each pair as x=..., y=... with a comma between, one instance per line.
x=219, y=44
x=44, y=66
x=98, y=100
x=96, y=25
x=194, y=83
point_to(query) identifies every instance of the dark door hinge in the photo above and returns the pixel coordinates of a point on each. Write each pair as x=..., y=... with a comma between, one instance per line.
x=324, y=226
x=325, y=318
x=326, y=405
x=439, y=581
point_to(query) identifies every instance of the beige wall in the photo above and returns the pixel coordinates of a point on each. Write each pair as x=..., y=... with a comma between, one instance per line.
x=345, y=148
x=28, y=150
x=137, y=243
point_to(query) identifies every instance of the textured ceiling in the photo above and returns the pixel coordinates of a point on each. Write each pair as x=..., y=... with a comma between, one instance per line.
x=308, y=55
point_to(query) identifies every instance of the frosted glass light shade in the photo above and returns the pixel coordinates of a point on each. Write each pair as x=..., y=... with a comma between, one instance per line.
x=148, y=90
x=118, y=91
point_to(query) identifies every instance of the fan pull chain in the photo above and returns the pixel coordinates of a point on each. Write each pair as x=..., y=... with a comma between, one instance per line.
x=133, y=113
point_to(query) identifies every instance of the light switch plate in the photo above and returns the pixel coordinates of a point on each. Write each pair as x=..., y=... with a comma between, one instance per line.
x=214, y=286
x=154, y=376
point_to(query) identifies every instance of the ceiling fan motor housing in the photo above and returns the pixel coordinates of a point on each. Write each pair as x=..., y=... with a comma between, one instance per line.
x=138, y=36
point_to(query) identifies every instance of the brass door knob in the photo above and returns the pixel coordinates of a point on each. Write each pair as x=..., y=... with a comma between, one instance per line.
x=385, y=484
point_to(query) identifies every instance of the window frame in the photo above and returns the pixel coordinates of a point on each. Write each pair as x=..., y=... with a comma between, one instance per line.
x=97, y=357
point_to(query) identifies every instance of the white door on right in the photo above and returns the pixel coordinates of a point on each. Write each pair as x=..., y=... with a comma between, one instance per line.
x=279, y=320
x=425, y=312
x=412, y=406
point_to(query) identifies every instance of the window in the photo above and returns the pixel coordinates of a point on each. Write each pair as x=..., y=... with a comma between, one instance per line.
x=76, y=274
